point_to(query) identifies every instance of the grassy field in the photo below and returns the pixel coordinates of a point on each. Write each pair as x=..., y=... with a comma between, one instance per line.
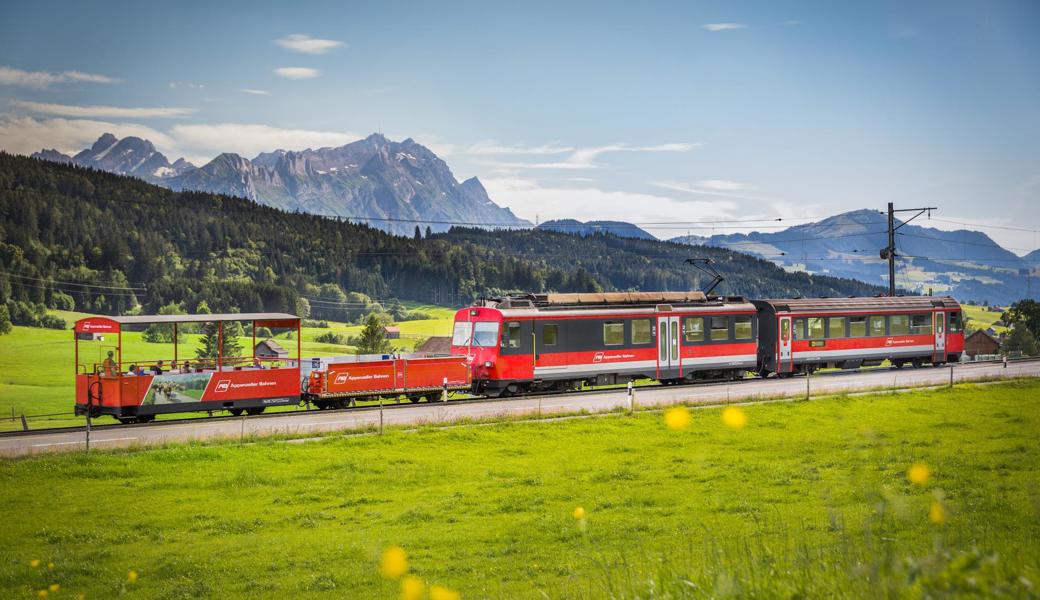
x=36, y=376
x=809, y=499
x=980, y=317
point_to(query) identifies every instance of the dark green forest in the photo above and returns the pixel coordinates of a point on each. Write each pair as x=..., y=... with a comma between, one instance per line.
x=74, y=238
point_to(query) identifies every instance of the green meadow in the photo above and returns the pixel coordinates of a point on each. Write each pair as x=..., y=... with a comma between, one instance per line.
x=36, y=365
x=929, y=494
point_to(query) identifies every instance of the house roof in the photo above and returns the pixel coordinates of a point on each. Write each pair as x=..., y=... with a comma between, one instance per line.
x=273, y=345
x=435, y=345
x=983, y=333
x=397, y=329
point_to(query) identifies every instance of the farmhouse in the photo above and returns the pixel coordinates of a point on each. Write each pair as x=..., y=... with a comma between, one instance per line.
x=392, y=333
x=980, y=342
x=271, y=349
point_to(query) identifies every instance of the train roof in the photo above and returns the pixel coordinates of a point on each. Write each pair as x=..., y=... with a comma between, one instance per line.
x=796, y=305
x=611, y=301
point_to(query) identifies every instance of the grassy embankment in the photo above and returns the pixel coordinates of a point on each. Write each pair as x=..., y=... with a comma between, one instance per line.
x=36, y=364
x=809, y=499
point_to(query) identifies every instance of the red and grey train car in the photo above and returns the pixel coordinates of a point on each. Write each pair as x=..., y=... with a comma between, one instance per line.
x=562, y=341
x=805, y=334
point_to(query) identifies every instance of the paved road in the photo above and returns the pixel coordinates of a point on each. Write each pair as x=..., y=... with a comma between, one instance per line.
x=317, y=422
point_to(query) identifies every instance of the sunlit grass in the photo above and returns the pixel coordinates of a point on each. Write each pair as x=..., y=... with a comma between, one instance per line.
x=807, y=499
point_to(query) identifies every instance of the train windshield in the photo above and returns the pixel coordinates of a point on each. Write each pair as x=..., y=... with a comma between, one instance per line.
x=482, y=333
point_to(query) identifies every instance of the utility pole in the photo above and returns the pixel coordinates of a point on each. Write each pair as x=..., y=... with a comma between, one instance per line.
x=889, y=252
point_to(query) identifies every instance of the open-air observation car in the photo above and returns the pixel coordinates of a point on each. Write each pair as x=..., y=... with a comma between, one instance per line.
x=136, y=391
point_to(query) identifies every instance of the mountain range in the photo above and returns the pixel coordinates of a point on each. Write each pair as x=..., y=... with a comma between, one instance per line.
x=389, y=185
x=618, y=228
x=966, y=264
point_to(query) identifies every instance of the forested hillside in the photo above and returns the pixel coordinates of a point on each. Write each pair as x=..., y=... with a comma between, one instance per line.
x=75, y=238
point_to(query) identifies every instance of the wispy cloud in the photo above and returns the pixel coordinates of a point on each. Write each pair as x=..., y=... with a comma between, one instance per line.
x=300, y=42
x=25, y=135
x=185, y=84
x=255, y=92
x=44, y=79
x=725, y=185
x=105, y=112
x=251, y=139
x=723, y=26
x=297, y=72
x=490, y=147
x=718, y=188
x=579, y=158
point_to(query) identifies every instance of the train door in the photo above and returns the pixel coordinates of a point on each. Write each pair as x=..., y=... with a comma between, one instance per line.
x=784, y=364
x=940, y=337
x=668, y=347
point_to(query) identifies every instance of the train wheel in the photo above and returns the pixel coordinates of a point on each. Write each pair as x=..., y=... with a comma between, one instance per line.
x=917, y=362
x=413, y=398
x=235, y=412
x=898, y=364
x=126, y=420
x=145, y=418
x=255, y=410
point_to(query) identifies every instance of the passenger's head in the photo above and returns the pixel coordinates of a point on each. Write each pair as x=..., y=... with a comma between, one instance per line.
x=110, y=354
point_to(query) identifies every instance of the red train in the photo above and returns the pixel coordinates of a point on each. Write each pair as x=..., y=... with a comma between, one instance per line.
x=563, y=341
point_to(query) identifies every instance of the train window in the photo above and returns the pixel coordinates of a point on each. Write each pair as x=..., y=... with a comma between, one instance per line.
x=857, y=326
x=921, y=324
x=836, y=327
x=898, y=324
x=955, y=322
x=877, y=325
x=799, y=329
x=693, y=329
x=785, y=330
x=641, y=331
x=512, y=335
x=742, y=328
x=815, y=328
x=485, y=334
x=613, y=334
x=719, y=328
x=460, y=336
x=550, y=334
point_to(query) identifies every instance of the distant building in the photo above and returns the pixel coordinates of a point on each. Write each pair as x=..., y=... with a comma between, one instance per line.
x=392, y=333
x=980, y=342
x=435, y=345
x=271, y=349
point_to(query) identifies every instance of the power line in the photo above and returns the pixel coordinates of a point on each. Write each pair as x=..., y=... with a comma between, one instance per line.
x=46, y=280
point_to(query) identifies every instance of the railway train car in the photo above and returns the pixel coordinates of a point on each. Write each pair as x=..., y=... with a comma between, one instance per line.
x=341, y=381
x=801, y=335
x=561, y=341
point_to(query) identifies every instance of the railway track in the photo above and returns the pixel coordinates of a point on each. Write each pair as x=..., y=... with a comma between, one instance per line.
x=464, y=401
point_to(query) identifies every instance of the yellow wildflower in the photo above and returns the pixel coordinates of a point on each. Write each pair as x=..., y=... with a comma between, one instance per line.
x=579, y=513
x=42, y=593
x=677, y=417
x=734, y=417
x=439, y=592
x=55, y=587
x=937, y=514
x=918, y=473
x=131, y=577
x=34, y=563
x=412, y=588
x=394, y=563
x=50, y=566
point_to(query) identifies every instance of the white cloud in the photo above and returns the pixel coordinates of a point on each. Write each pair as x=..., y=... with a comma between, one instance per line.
x=297, y=72
x=724, y=185
x=186, y=84
x=43, y=79
x=490, y=147
x=299, y=42
x=583, y=158
x=529, y=199
x=67, y=110
x=25, y=135
x=723, y=26
x=249, y=140
x=255, y=92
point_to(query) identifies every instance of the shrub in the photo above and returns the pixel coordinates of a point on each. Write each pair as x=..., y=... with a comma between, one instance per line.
x=331, y=337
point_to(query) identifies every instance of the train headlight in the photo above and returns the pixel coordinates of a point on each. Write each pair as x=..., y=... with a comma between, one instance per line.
x=487, y=364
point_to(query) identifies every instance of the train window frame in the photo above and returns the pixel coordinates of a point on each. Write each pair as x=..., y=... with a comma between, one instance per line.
x=954, y=325
x=841, y=333
x=853, y=321
x=872, y=320
x=743, y=320
x=690, y=335
x=637, y=326
x=724, y=337
x=899, y=324
x=614, y=328
x=809, y=322
x=462, y=333
x=925, y=327
x=508, y=338
x=798, y=327
x=555, y=329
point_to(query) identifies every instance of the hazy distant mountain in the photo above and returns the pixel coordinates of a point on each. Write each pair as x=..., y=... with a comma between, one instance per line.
x=389, y=185
x=127, y=156
x=1033, y=258
x=966, y=264
x=618, y=228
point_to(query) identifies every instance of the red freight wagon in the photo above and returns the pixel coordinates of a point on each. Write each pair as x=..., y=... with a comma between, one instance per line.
x=136, y=391
x=339, y=381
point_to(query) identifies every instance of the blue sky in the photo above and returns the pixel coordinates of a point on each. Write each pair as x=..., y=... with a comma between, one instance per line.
x=649, y=112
